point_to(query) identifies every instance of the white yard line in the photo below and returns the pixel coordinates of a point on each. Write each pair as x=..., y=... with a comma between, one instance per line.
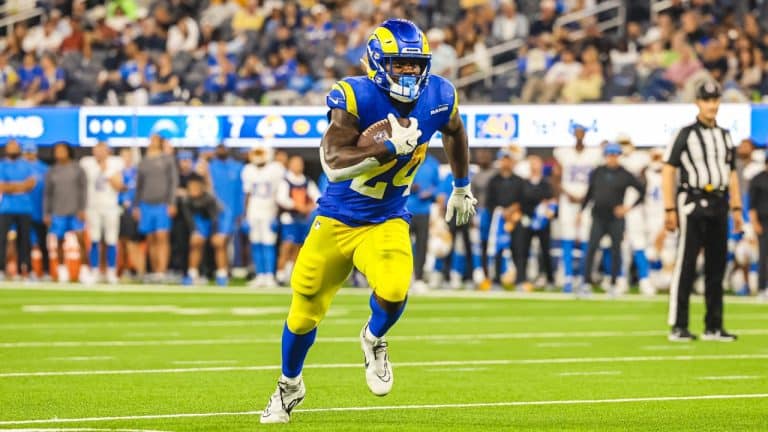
x=562, y=344
x=80, y=430
x=567, y=374
x=505, y=362
x=416, y=338
x=92, y=358
x=730, y=377
x=400, y=407
x=328, y=321
x=492, y=295
x=203, y=362
x=677, y=347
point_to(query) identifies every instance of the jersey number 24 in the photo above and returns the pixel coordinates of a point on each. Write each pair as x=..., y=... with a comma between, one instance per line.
x=403, y=177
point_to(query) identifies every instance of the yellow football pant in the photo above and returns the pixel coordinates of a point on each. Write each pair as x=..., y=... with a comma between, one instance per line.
x=381, y=252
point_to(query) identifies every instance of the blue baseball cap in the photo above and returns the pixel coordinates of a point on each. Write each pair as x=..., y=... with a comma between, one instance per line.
x=612, y=149
x=29, y=147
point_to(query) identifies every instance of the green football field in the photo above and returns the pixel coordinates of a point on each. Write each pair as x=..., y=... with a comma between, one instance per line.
x=175, y=359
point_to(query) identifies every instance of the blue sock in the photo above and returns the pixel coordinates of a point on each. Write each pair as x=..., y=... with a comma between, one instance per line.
x=381, y=320
x=568, y=258
x=641, y=262
x=656, y=265
x=111, y=256
x=94, y=254
x=256, y=253
x=295, y=349
x=270, y=258
x=458, y=263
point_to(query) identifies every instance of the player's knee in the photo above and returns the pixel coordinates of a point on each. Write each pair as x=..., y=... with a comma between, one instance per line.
x=196, y=241
x=394, y=289
x=301, y=324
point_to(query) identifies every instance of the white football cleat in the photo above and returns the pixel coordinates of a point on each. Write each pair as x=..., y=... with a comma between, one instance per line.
x=63, y=274
x=378, y=370
x=112, y=278
x=647, y=288
x=288, y=395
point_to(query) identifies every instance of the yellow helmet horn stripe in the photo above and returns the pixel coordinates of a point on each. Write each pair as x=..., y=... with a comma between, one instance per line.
x=424, y=44
x=387, y=40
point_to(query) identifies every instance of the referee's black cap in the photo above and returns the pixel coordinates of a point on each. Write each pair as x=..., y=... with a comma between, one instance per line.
x=708, y=89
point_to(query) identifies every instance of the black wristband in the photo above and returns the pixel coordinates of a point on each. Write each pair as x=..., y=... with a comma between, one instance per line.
x=735, y=208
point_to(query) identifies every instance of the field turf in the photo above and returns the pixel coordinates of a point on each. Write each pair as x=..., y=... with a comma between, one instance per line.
x=175, y=359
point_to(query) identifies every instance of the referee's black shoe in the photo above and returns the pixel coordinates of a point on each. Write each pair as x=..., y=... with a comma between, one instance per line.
x=719, y=335
x=681, y=335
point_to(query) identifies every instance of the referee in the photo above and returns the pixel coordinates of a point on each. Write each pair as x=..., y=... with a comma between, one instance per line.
x=705, y=157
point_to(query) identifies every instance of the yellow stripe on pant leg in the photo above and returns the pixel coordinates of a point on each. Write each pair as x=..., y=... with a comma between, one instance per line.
x=321, y=268
x=385, y=257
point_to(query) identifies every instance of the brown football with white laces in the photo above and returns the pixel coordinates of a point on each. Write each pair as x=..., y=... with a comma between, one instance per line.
x=379, y=132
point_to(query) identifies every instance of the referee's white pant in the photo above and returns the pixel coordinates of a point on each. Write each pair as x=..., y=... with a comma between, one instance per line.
x=703, y=221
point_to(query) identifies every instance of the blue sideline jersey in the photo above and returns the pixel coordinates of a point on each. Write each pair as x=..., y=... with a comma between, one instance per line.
x=12, y=171
x=127, y=195
x=227, y=183
x=41, y=169
x=426, y=183
x=381, y=194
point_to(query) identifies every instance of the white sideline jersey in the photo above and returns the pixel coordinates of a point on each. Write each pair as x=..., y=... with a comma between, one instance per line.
x=635, y=162
x=261, y=184
x=576, y=167
x=101, y=194
x=654, y=201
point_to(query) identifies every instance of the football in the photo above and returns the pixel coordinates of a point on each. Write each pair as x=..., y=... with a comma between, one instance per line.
x=379, y=132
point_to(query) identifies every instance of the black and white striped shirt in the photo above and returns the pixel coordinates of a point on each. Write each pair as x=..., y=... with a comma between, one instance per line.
x=705, y=155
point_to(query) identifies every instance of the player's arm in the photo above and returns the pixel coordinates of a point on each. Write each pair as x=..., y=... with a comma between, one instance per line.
x=116, y=181
x=340, y=156
x=456, y=145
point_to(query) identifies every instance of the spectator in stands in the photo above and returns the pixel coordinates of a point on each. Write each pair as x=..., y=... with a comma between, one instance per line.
x=30, y=74
x=249, y=18
x=221, y=82
x=248, y=86
x=561, y=73
x=152, y=37
x=510, y=24
x=76, y=40
x=163, y=89
x=137, y=73
x=301, y=81
x=545, y=22
x=39, y=231
x=17, y=181
x=41, y=39
x=444, y=59
x=588, y=84
x=156, y=183
x=66, y=194
x=9, y=79
x=52, y=82
x=533, y=63
x=184, y=36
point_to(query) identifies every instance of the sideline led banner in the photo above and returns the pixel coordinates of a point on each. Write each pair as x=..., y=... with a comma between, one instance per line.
x=44, y=126
x=489, y=125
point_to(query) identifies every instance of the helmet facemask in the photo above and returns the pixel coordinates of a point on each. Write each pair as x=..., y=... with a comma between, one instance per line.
x=405, y=87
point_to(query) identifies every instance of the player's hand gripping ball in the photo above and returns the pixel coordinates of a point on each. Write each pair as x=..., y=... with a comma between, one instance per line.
x=402, y=133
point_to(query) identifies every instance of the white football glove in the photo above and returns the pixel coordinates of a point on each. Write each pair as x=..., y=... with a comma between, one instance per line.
x=462, y=203
x=404, y=139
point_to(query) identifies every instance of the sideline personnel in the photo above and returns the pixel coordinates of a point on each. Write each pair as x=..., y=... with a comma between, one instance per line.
x=705, y=156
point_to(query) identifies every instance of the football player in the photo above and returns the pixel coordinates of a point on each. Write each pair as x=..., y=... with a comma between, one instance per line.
x=575, y=164
x=362, y=220
x=261, y=178
x=104, y=176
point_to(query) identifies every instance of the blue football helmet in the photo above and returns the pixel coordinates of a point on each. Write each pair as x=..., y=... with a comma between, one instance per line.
x=398, y=39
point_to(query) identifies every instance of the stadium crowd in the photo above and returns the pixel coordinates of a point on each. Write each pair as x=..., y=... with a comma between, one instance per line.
x=140, y=52
x=177, y=215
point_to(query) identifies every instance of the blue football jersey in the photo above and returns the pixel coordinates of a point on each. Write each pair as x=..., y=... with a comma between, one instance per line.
x=227, y=183
x=41, y=169
x=381, y=193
